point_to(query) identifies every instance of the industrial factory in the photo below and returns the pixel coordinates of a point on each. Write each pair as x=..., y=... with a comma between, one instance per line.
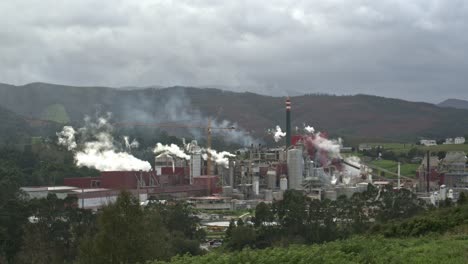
x=308, y=161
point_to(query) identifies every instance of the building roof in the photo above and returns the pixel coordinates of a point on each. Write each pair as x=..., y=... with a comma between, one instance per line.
x=48, y=188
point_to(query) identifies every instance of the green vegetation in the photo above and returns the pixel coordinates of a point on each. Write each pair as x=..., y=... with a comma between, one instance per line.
x=406, y=169
x=401, y=148
x=56, y=113
x=452, y=249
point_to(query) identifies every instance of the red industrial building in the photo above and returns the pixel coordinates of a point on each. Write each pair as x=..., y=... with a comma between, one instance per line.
x=171, y=182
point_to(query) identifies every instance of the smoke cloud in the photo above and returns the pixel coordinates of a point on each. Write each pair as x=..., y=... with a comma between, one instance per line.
x=96, y=148
x=309, y=129
x=66, y=137
x=174, y=151
x=278, y=134
x=130, y=145
x=171, y=150
x=220, y=158
x=177, y=108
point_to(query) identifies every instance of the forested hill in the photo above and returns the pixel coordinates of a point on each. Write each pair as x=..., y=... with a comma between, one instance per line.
x=454, y=103
x=359, y=116
x=12, y=127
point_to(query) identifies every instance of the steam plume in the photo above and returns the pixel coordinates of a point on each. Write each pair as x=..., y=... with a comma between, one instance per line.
x=66, y=137
x=171, y=150
x=97, y=149
x=278, y=134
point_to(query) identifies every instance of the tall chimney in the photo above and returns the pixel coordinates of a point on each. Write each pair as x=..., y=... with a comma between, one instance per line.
x=428, y=171
x=288, y=122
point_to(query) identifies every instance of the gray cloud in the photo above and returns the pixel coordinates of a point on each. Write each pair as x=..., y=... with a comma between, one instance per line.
x=412, y=49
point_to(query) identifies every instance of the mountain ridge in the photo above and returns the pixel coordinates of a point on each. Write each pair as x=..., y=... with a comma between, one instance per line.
x=454, y=103
x=357, y=116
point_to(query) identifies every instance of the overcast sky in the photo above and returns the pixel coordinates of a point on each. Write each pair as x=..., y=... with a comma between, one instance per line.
x=411, y=49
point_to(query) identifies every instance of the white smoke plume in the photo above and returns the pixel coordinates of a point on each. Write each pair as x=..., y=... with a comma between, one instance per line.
x=97, y=149
x=332, y=146
x=352, y=172
x=278, y=134
x=220, y=158
x=174, y=151
x=178, y=110
x=130, y=145
x=66, y=137
x=309, y=129
x=170, y=150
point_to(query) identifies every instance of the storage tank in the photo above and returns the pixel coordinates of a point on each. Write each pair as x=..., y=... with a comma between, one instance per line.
x=283, y=183
x=295, y=169
x=271, y=179
x=443, y=192
x=268, y=195
x=231, y=173
x=195, y=166
x=256, y=186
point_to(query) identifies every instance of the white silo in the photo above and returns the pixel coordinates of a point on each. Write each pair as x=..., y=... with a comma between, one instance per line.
x=271, y=179
x=450, y=194
x=283, y=184
x=295, y=163
x=443, y=192
x=256, y=186
x=195, y=166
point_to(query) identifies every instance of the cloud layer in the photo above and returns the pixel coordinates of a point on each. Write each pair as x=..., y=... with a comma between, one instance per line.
x=413, y=49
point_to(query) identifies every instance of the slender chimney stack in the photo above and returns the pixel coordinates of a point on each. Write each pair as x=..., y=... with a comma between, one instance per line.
x=288, y=122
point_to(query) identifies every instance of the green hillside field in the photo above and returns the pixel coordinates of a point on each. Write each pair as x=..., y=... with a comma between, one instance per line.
x=406, y=169
x=405, y=147
x=446, y=249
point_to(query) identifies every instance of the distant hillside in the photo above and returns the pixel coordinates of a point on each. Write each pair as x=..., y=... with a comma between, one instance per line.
x=12, y=127
x=359, y=116
x=455, y=103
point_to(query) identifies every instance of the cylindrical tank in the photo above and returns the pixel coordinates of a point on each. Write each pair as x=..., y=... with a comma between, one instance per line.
x=283, y=183
x=256, y=186
x=295, y=169
x=443, y=192
x=450, y=194
x=195, y=165
x=231, y=173
x=271, y=179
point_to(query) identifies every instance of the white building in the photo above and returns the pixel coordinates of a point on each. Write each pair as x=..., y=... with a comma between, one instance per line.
x=428, y=142
x=459, y=140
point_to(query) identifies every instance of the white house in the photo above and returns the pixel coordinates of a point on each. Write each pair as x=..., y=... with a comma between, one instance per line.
x=459, y=140
x=428, y=142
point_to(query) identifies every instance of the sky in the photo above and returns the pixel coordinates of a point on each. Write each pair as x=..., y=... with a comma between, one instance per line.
x=411, y=49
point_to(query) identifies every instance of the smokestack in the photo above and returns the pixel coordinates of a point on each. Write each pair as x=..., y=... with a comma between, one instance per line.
x=288, y=122
x=428, y=173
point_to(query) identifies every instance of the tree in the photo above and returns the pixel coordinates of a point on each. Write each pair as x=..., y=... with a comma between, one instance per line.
x=262, y=214
x=241, y=237
x=462, y=199
x=126, y=234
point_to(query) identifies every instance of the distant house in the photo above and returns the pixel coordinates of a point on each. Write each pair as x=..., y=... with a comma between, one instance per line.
x=365, y=146
x=457, y=140
x=428, y=142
